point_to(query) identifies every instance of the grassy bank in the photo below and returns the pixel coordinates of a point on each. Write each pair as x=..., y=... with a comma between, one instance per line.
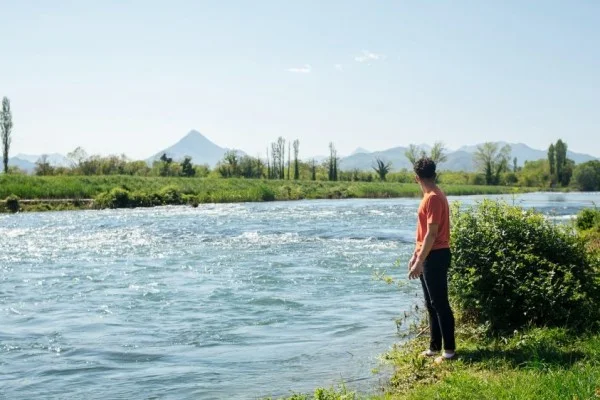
x=538, y=363
x=150, y=190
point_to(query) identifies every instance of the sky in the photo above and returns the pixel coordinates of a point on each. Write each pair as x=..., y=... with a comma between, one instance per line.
x=135, y=76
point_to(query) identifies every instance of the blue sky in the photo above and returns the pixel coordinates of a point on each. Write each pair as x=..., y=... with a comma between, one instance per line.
x=135, y=76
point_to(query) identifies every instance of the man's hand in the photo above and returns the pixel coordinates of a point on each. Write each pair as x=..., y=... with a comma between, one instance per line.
x=415, y=270
x=411, y=262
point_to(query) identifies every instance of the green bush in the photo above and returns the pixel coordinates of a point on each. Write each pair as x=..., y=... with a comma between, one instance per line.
x=171, y=195
x=115, y=198
x=588, y=218
x=12, y=203
x=513, y=268
x=587, y=176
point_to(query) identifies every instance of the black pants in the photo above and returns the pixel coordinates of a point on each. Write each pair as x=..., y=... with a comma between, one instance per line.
x=435, y=287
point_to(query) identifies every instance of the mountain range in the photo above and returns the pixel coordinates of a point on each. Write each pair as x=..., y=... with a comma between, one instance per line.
x=203, y=151
x=459, y=160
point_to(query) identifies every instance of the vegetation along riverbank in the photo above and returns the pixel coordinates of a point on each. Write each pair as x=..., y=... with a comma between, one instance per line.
x=526, y=294
x=37, y=193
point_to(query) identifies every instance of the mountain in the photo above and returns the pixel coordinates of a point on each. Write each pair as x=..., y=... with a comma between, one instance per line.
x=365, y=161
x=460, y=160
x=24, y=165
x=360, y=150
x=55, y=159
x=197, y=146
x=26, y=162
x=526, y=153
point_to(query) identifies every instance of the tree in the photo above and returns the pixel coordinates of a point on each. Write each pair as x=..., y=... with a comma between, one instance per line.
x=6, y=125
x=413, y=153
x=332, y=163
x=438, y=153
x=187, y=168
x=77, y=157
x=515, y=165
x=166, y=165
x=492, y=161
x=587, y=176
x=563, y=174
x=313, y=170
x=281, y=147
x=382, y=168
x=43, y=167
x=296, y=162
x=268, y=165
x=250, y=167
x=552, y=159
x=289, y=159
x=567, y=172
x=229, y=167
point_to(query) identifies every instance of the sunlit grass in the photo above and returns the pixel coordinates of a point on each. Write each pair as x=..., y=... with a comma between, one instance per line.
x=218, y=190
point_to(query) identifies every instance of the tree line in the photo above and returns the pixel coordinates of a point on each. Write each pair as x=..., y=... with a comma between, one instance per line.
x=493, y=163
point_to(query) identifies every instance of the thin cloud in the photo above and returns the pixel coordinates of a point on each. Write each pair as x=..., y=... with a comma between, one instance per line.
x=301, y=70
x=367, y=56
x=339, y=67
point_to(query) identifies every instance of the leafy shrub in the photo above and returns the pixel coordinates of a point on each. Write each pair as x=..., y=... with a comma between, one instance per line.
x=588, y=226
x=588, y=218
x=115, y=198
x=265, y=193
x=140, y=199
x=513, y=267
x=12, y=203
x=171, y=195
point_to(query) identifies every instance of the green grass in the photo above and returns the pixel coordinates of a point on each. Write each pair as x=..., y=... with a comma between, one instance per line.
x=539, y=363
x=217, y=190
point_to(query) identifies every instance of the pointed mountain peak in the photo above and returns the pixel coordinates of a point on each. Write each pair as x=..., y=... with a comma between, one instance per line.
x=193, y=133
x=360, y=150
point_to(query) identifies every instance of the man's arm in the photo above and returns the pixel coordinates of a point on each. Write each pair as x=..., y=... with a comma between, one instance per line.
x=432, y=231
x=416, y=269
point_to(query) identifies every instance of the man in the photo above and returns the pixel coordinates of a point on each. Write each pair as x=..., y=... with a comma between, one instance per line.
x=431, y=260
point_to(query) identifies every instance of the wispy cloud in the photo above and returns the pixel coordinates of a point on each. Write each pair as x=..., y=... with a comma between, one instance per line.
x=339, y=67
x=367, y=56
x=301, y=70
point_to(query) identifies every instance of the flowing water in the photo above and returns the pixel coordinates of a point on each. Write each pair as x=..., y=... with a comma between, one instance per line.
x=221, y=301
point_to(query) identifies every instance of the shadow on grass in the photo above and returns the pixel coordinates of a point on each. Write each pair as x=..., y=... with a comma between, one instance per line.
x=537, y=358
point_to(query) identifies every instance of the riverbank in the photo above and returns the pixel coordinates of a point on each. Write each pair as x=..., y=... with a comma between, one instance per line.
x=81, y=192
x=538, y=363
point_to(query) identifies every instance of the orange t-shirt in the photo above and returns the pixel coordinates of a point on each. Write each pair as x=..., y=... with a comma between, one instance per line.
x=434, y=209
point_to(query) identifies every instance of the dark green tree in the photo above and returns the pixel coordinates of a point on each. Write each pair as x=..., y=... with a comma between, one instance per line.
x=560, y=160
x=166, y=165
x=187, y=168
x=382, y=168
x=552, y=158
x=332, y=163
x=587, y=176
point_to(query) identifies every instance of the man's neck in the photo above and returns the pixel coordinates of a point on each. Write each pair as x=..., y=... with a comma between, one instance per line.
x=428, y=187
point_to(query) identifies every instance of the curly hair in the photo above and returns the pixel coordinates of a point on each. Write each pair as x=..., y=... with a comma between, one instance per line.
x=425, y=168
